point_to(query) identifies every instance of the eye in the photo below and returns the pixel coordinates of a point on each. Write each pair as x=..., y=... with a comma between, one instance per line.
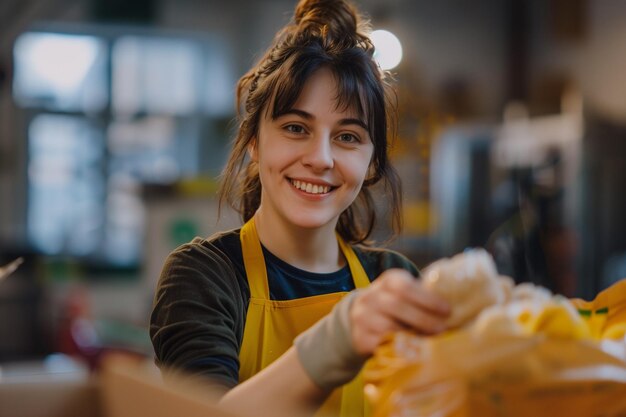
x=348, y=138
x=292, y=128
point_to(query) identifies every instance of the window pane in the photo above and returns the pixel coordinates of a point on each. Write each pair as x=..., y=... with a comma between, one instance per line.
x=66, y=185
x=155, y=75
x=145, y=149
x=60, y=71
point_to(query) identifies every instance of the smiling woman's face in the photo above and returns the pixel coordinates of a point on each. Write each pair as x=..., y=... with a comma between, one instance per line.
x=313, y=159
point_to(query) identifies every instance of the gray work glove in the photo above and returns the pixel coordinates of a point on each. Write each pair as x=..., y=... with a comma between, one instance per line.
x=325, y=350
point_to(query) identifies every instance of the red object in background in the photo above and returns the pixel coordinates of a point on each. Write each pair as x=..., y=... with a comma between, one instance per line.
x=77, y=335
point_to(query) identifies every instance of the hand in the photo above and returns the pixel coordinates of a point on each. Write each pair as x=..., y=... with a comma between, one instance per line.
x=395, y=301
x=334, y=349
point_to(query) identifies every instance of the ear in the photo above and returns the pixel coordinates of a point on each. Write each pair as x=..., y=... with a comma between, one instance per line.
x=253, y=149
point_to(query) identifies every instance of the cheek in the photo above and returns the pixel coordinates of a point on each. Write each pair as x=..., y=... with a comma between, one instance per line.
x=274, y=160
x=371, y=171
x=368, y=163
x=360, y=168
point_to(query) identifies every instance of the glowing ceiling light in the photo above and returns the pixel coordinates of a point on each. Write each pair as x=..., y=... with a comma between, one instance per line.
x=387, y=49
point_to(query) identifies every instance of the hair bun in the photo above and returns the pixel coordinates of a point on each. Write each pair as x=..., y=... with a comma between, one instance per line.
x=330, y=18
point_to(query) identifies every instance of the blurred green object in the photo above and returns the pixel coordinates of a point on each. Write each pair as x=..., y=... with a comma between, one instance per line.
x=59, y=269
x=118, y=334
x=181, y=231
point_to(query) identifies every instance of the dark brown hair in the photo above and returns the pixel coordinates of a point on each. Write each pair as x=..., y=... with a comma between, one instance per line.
x=322, y=34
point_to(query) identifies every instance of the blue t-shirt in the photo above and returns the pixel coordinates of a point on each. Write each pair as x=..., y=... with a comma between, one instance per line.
x=286, y=282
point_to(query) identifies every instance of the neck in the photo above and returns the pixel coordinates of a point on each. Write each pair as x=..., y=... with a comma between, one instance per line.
x=314, y=250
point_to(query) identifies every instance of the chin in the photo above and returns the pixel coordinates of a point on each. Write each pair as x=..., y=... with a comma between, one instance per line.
x=314, y=221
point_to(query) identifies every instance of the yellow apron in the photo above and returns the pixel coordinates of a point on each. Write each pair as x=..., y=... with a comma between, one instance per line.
x=271, y=326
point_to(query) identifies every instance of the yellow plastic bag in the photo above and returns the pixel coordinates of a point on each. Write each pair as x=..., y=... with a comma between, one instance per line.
x=606, y=314
x=469, y=373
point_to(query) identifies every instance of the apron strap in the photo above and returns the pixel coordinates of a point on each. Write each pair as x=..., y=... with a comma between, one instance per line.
x=254, y=261
x=356, y=269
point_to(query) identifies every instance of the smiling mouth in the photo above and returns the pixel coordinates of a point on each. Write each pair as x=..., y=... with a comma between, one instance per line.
x=309, y=188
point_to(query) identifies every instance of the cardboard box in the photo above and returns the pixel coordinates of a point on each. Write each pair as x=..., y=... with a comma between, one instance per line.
x=124, y=388
x=49, y=397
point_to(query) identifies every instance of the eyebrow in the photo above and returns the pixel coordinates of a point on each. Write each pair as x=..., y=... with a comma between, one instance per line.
x=342, y=122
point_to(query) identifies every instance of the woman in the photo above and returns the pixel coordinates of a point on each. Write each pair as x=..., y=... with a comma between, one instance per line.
x=312, y=140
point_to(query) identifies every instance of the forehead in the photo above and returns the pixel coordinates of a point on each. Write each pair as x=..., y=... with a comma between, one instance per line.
x=320, y=93
x=335, y=91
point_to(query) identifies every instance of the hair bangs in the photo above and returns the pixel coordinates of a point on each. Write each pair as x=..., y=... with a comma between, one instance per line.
x=350, y=93
x=291, y=78
x=356, y=84
x=358, y=89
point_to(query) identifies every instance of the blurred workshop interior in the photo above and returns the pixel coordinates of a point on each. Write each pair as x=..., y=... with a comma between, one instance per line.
x=116, y=119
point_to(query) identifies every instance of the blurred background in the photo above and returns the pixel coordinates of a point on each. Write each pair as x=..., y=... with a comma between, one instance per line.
x=116, y=119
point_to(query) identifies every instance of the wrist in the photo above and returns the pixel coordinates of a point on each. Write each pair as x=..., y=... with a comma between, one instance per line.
x=326, y=350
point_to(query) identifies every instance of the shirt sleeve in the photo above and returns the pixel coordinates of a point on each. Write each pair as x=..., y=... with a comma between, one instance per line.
x=198, y=314
x=397, y=260
x=377, y=260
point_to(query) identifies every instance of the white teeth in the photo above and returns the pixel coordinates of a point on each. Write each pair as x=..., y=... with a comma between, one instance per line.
x=310, y=188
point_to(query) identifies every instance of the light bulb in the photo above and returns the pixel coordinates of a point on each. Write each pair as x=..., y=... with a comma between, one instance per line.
x=387, y=49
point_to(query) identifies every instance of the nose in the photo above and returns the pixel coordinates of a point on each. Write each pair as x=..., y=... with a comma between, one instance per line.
x=319, y=153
